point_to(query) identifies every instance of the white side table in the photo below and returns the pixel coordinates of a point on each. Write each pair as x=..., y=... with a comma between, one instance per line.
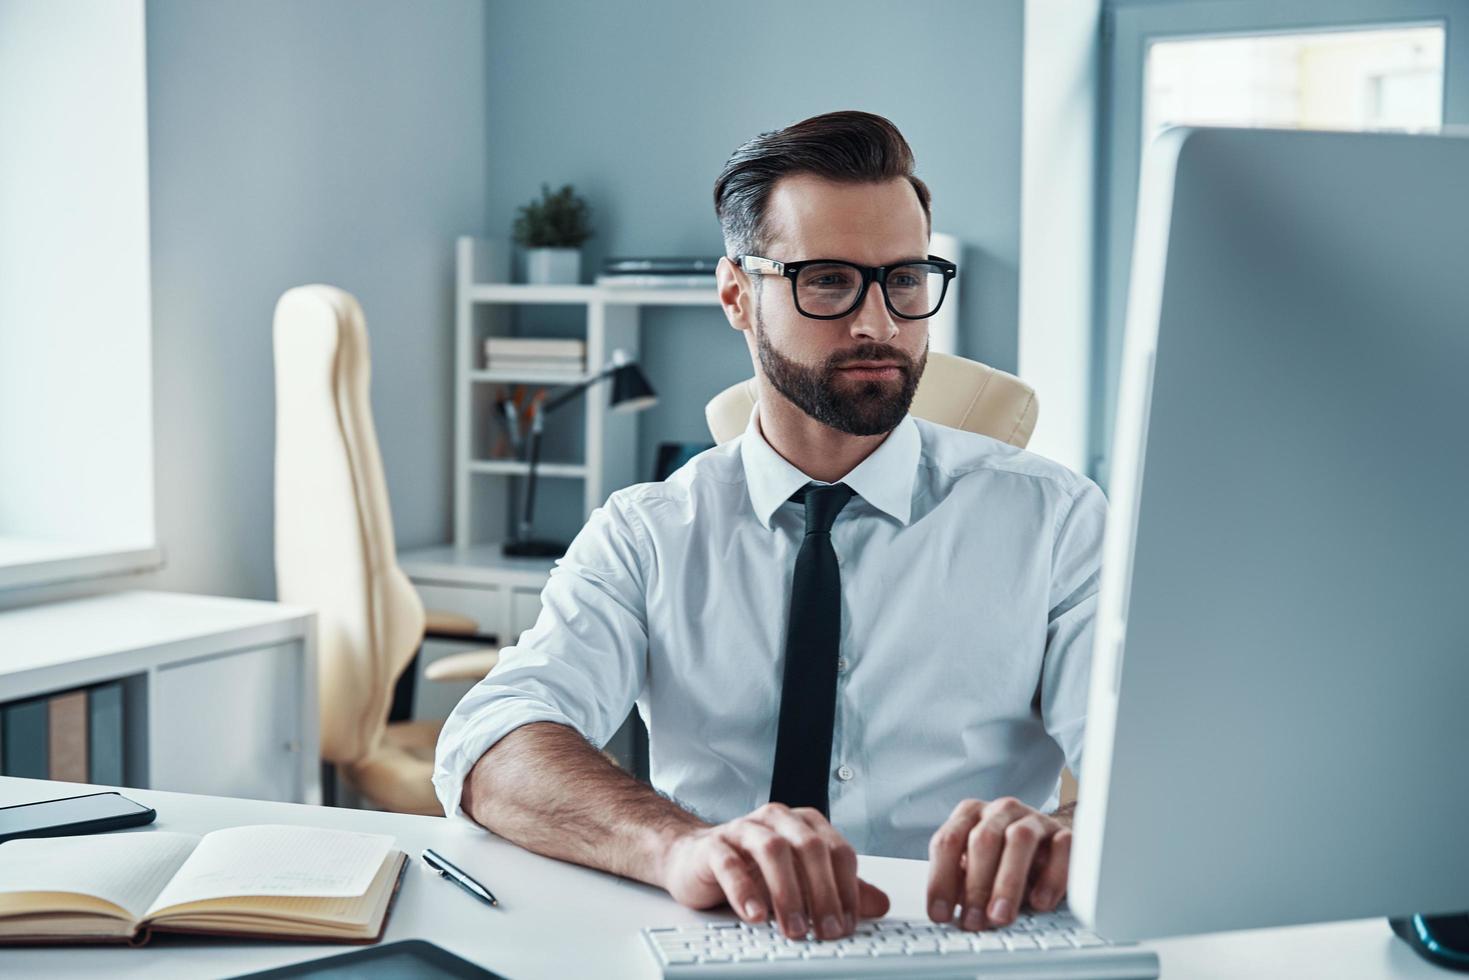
x=220, y=694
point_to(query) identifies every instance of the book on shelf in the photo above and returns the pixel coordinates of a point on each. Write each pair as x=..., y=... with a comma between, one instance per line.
x=268, y=881
x=696, y=281
x=67, y=737
x=24, y=739
x=535, y=347
x=73, y=736
x=572, y=369
x=685, y=265
x=105, y=734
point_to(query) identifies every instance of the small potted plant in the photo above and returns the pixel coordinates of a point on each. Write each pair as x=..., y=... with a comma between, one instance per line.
x=552, y=231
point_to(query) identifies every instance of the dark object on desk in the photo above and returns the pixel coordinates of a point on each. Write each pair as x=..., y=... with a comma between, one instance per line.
x=1440, y=939
x=630, y=393
x=93, y=813
x=411, y=959
x=458, y=876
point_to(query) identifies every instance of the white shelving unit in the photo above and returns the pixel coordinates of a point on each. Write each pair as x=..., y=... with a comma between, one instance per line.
x=484, y=306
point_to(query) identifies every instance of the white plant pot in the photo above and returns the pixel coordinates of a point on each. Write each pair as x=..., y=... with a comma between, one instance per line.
x=553, y=266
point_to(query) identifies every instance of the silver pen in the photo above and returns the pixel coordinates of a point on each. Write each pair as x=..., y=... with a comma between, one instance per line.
x=447, y=870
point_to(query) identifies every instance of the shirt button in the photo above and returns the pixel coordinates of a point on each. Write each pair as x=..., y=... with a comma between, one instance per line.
x=845, y=773
x=842, y=665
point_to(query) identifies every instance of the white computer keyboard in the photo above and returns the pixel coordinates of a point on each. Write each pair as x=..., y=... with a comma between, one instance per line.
x=1050, y=944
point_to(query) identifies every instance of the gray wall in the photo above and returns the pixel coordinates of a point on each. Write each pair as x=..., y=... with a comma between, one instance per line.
x=349, y=141
x=296, y=141
x=639, y=105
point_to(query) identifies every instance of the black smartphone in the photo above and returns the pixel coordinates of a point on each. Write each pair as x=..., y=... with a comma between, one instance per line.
x=90, y=814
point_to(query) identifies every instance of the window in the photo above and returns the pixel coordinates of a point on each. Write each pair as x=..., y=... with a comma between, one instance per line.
x=76, y=463
x=1349, y=65
x=1357, y=79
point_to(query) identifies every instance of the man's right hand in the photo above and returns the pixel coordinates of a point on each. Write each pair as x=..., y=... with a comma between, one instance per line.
x=789, y=863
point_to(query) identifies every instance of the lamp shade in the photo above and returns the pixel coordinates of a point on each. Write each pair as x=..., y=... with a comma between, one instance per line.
x=630, y=389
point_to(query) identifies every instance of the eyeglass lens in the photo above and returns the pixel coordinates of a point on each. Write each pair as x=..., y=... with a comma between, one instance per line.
x=831, y=289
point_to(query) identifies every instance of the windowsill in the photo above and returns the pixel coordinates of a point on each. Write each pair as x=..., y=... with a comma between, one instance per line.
x=25, y=563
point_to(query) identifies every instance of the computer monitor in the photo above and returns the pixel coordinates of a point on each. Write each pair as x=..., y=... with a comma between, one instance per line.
x=1279, y=719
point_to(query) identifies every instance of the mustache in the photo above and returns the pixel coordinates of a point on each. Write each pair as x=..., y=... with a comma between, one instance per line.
x=870, y=352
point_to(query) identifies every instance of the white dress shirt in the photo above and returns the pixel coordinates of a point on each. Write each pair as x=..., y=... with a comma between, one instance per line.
x=969, y=576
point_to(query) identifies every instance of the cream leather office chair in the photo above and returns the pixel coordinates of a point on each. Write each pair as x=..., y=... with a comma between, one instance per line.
x=334, y=553
x=953, y=391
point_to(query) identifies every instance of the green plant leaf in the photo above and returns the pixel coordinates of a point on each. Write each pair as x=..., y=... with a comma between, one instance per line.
x=560, y=219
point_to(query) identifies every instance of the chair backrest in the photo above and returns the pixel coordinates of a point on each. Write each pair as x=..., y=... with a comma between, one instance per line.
x=953, y=391
x=334, y=548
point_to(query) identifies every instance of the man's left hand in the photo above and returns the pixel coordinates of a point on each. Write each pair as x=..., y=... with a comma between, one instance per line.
x=989, y=857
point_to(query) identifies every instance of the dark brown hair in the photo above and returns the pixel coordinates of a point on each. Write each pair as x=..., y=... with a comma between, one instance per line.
x=848, y=146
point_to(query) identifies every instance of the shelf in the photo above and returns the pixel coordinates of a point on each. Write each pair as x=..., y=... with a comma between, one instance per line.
x=582, y=294
x=526, y=377
x=515, y=467
x=482, y=564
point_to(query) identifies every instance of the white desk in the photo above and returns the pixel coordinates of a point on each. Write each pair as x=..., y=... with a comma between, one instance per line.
x=558, y=920
x=221, y=692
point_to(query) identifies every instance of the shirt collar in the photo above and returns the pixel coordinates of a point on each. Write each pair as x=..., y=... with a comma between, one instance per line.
x=884, y=479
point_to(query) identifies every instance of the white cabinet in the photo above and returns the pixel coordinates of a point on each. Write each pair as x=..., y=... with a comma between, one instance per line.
x=245, y=707
x=220, y=694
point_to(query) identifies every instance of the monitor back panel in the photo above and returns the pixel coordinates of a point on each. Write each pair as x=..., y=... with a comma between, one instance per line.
x=1279, y=726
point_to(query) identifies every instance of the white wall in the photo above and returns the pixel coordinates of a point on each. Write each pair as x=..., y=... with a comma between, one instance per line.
x=76, y=461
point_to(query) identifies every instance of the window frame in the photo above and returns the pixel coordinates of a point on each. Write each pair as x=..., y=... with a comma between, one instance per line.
x=1128, y=30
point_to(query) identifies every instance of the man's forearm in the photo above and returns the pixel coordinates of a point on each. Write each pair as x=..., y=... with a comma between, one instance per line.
x=544, y=787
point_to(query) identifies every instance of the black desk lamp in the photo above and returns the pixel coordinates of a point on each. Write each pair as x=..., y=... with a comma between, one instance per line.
x=630, y=393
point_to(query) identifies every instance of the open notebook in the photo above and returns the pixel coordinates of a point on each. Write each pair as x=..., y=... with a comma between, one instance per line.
x=279, y=882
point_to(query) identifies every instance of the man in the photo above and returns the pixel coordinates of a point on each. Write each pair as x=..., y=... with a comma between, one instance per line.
x=845, y=627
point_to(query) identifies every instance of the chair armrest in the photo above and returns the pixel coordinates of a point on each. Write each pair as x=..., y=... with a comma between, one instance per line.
x=471, y=665
x=441, y=625
x=442, y=622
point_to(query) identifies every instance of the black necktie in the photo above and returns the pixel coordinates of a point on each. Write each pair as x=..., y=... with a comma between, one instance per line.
x=808, y=694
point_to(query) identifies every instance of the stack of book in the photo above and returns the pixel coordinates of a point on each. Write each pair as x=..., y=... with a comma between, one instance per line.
x=536, y=355
x=666, y=273
x=74, y=736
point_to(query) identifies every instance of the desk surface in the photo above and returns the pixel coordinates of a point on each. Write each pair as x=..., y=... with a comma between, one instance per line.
x=559, y=920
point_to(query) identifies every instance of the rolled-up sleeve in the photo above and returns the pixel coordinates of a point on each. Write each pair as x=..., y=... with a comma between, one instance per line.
x=1075, y=573
x=581, y=665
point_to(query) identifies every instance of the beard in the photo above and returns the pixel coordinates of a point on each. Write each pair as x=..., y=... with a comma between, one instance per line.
x=861, y=408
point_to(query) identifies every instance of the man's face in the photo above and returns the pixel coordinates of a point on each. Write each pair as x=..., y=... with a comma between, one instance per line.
x=856, y=374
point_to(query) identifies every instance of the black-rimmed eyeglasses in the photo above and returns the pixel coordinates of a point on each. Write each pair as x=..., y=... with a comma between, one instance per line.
x=829, y=289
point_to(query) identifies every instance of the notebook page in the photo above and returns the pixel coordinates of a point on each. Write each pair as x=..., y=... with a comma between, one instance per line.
x=126, y=869
x=277, y=860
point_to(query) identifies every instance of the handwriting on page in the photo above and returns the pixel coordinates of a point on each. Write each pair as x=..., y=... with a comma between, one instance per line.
x=277, y=860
